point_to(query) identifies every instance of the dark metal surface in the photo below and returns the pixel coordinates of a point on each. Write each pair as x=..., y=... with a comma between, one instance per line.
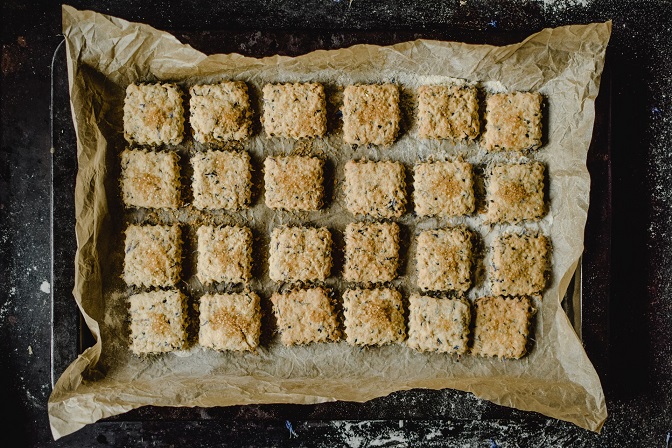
x=627, y=260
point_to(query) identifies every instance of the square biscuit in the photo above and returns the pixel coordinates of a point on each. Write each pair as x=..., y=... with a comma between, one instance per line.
x=513, y=121
x=224, y=254
x=438, y=325
x=153, y=114
x=501, y=326
x=373, y=316
x=371, y=252
x=152, y=255
x=376, y=189
x=230, y=321
x=222, y=180
x=220, y=112
x=150, y=179
x=158, y=322
x=444, y=259
x=371, y=114
x=305, y=316
x=444, y=189
x=294, y=183
x=519, y=264
x=300, y=254
x=515, y=192
x=448, y=112
x=294, y=110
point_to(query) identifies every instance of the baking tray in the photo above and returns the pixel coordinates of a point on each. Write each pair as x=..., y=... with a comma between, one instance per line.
x=586, y=300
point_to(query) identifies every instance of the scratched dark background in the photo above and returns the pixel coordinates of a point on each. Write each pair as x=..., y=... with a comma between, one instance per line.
x=628, y=312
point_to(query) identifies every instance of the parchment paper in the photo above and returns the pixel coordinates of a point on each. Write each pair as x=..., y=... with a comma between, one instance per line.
x=105, y=54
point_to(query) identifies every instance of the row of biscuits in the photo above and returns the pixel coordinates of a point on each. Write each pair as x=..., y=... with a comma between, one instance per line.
x=299, y=254
x=154, y=114
x=223, y=179
x=371, y=317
